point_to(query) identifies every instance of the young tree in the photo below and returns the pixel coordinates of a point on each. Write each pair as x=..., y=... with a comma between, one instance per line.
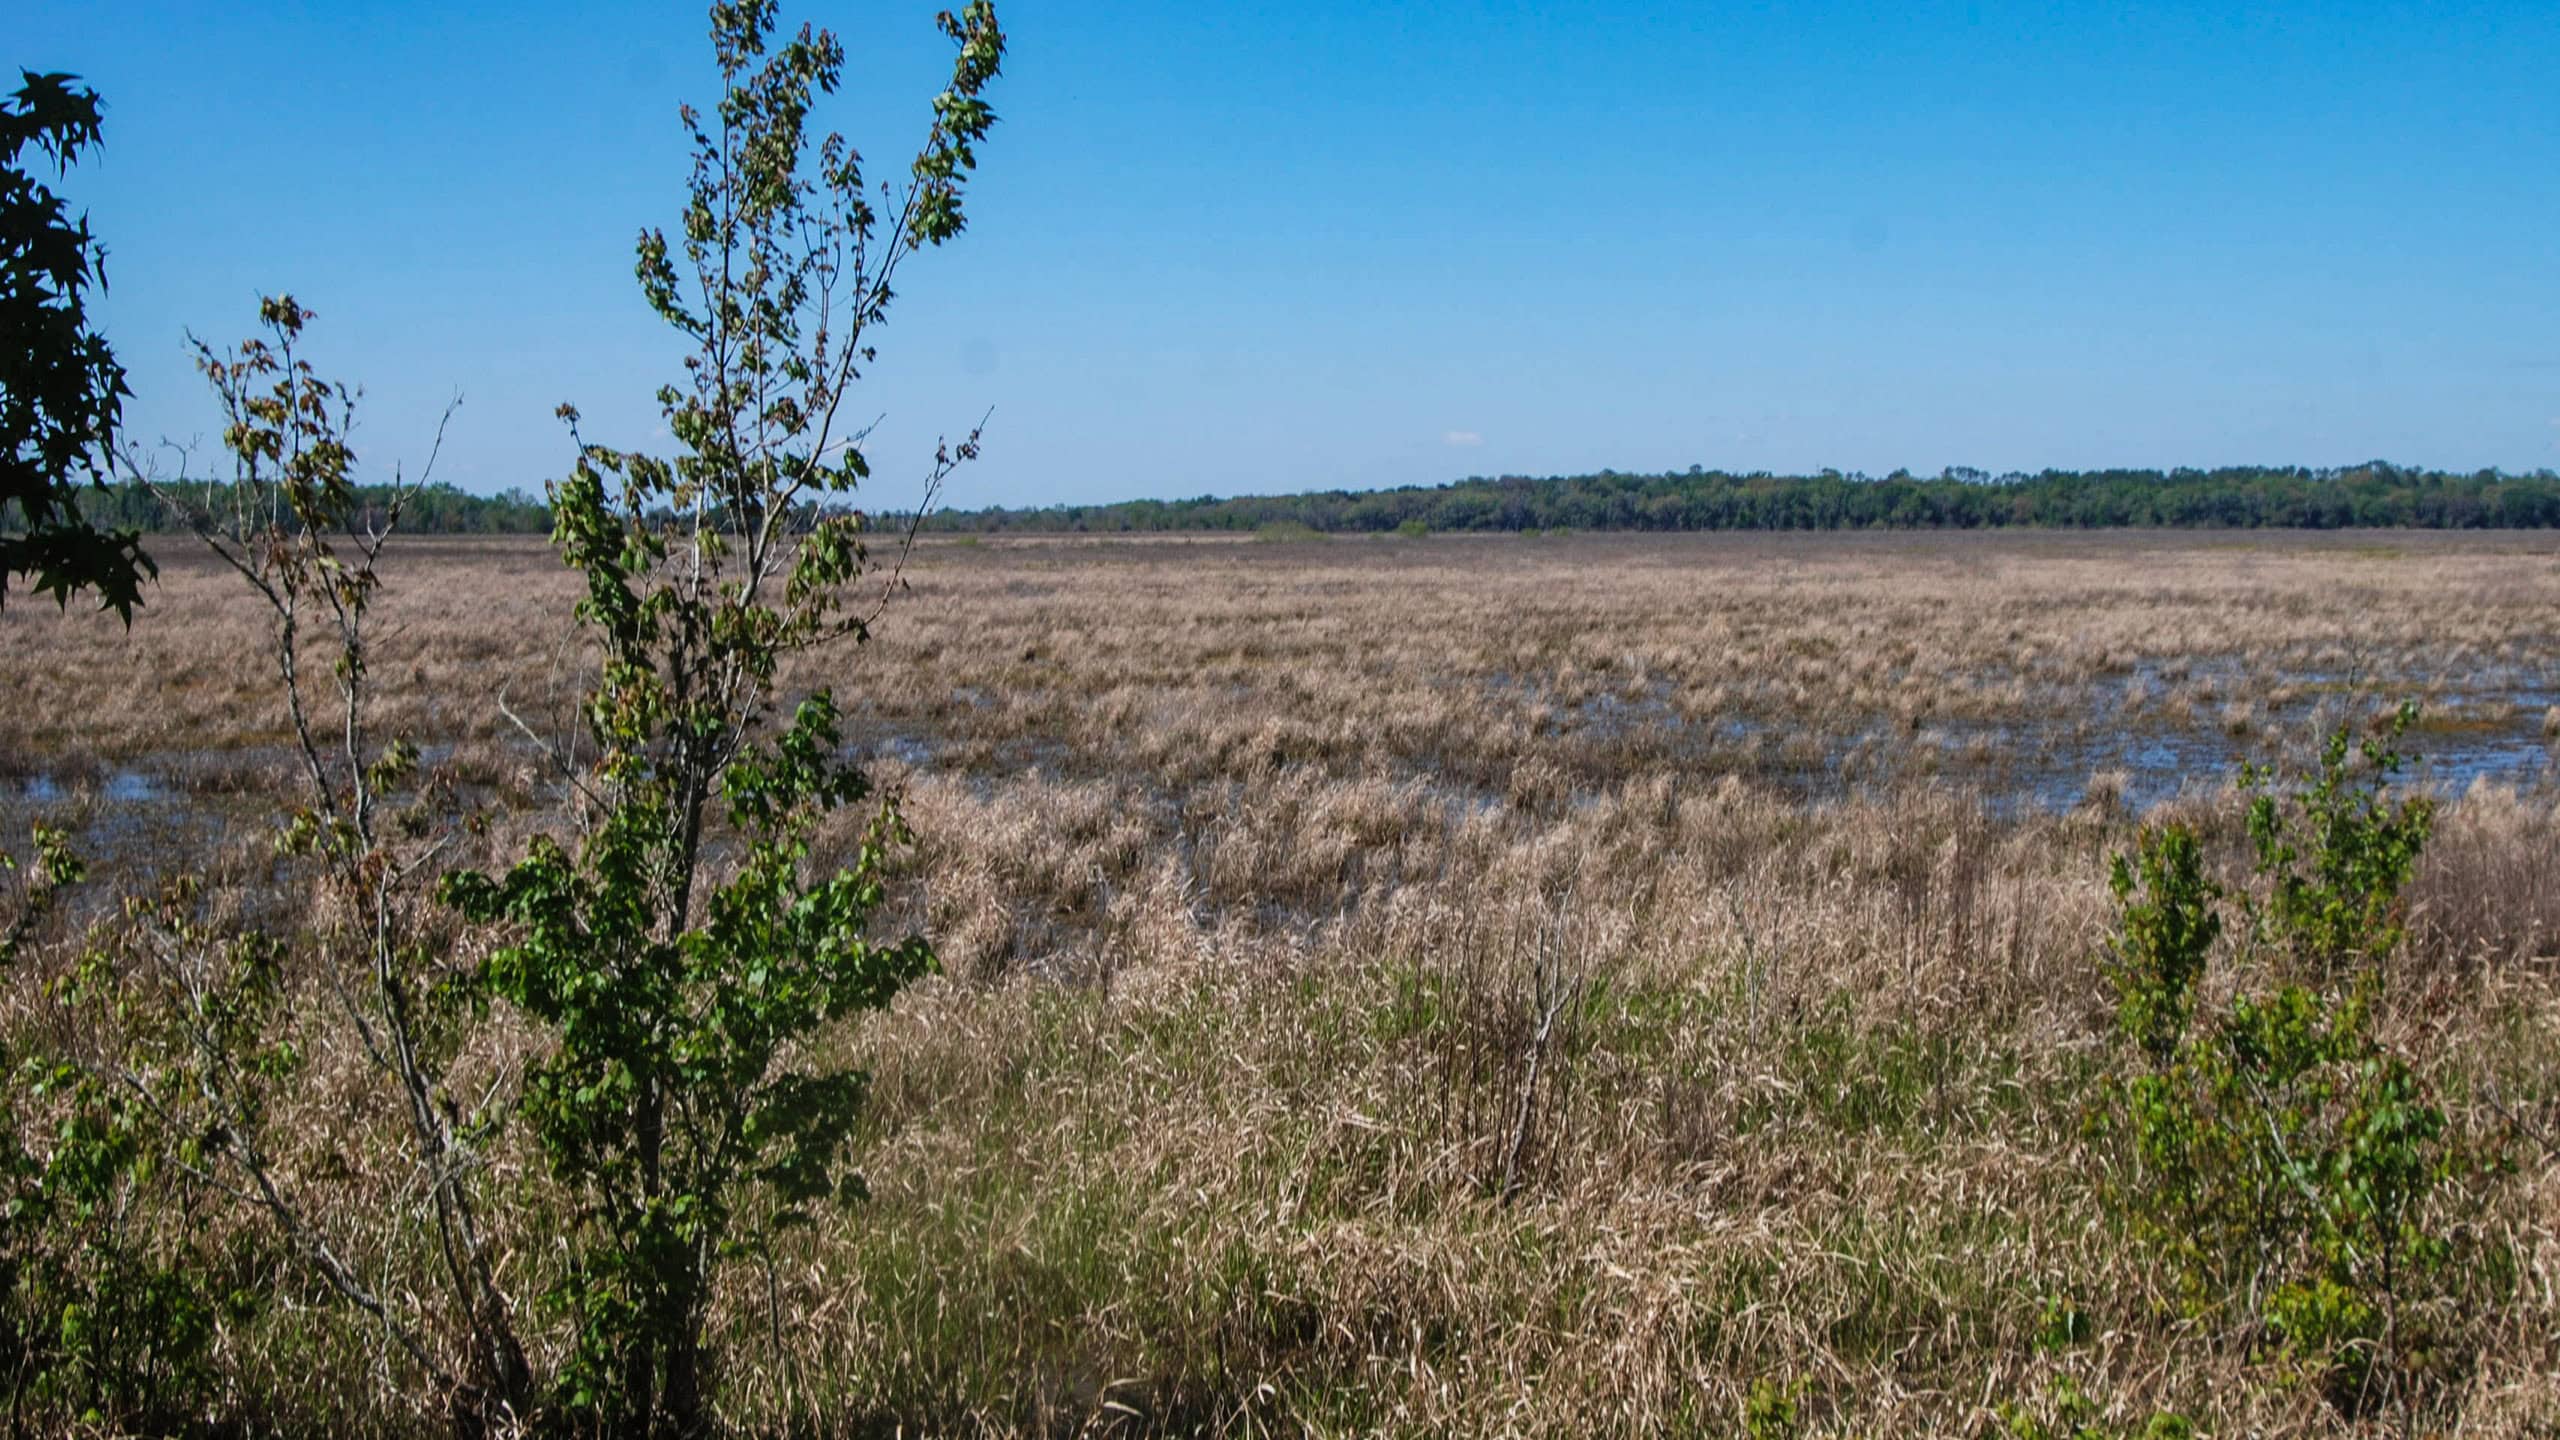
x=61, y=390
x=691, y=1104
x=216, y=1029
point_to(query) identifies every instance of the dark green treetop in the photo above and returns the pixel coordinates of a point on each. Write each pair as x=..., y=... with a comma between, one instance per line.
x=61, y=390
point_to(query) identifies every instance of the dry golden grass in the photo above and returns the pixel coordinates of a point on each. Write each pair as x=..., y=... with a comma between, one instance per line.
x=1255, y=868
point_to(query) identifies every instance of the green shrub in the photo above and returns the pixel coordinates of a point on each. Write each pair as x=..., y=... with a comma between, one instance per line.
x=689, y=1102
x=1773, y=1411
x=2279, y=1156
x=107, y=1311
x=2337, y=852
x=2066, y=1412
x=2168, y=924
x=113, y=1303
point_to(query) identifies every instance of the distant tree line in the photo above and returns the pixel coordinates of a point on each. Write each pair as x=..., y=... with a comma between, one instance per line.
x=2375, y=494
x=432, y=509
x=428, y=509
x=2378, y=495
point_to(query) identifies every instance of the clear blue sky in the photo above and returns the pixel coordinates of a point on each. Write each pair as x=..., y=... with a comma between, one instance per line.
x=1231, y=248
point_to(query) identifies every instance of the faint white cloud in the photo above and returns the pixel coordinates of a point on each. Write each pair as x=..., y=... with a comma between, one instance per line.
x=1467, y=439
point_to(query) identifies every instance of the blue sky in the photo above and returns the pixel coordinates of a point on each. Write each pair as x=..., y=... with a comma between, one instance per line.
x=1244, y=247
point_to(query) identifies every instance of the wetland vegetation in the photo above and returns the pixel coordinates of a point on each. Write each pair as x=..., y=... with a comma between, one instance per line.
x=1497, y=986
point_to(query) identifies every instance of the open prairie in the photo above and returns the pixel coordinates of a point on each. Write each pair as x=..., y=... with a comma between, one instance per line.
x=1497, y=985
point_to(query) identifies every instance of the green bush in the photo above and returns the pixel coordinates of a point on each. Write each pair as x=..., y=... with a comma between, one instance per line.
x=113, y=1306
x=108, y=1309
x=2336, y=853
x=2281, y=1159
x=1773, y=1411
x=2066, y=1412
x=688, y=1102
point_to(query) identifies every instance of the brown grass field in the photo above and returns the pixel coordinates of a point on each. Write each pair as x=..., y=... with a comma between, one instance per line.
x=1254, y=868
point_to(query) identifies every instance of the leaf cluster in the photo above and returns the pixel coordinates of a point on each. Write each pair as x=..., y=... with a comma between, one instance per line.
x=2338, y=851
x=62, y=391
x=108, y=1311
